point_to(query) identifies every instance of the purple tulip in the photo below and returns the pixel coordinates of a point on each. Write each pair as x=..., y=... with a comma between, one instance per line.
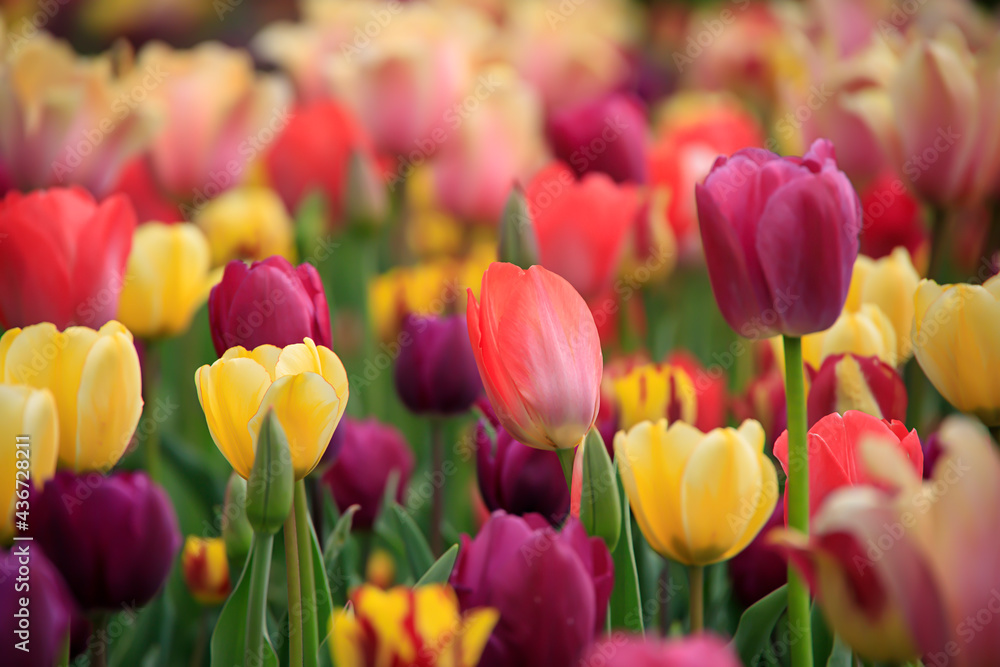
x=760, y=568
x=26, y=574
x=369, y=453
x=113, y=538
x=780, y=237
x=606, y=135
x=551, y=589
x=516, y=478
x=269, y=302
x=436, y=371
x=625, y=651
x=932, y=452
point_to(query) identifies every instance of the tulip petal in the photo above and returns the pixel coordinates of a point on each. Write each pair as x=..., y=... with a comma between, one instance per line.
x=230, y=392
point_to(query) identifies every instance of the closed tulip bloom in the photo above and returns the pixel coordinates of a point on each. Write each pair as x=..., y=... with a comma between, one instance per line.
x=408, y=627
x=890, y=284
x=538, y=353
x=113, y=538
x=268, y=303
x=516, y=478
x=892, y=218
x=865, y=332
x=166, y=280
x=848, y=382
x=693, y=651
x=29, y=428
x=205, y=569
x=247, y=222
x=771, y=272
x=306, y=385
x=62, y=257
x=370, y=453
x=699, y=498
x=655, y=391
x=834, y=459
x=436, y=371
x=551, y=589
x=50, y=607
x=954, y=338
x=95, y=379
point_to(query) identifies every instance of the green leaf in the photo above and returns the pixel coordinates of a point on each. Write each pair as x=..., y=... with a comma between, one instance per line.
x=440, y=571
x=625, y=606
x=822, y=636
x=600, y=502
x=754, y=631
x=324, y=601
x=228, y=644
x=841, y=655
x=337, y=539
x=418, y=553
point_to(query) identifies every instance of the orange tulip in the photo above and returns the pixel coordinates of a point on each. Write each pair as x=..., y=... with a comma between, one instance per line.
x=539, y=355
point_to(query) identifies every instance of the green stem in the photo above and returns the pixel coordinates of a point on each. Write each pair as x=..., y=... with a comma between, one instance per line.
x=310, y=628
x=98, y=651
x=62, y=659
x=150, y=391
x=798, y=496
x=566, y=458
x=437, y=474
x=696, y=596
x=294, y=591
x=260, y=573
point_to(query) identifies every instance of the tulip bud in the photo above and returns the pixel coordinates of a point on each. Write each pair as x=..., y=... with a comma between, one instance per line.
x=236, y=529
x=518, y=243
x=49, y=608
x=206, y=570
x=271, y=484
x=436, y=371
x=367, y=202
x=848, y=382
x=656, y=391
x=247, y=223
x=600, y=506
x=617, y=123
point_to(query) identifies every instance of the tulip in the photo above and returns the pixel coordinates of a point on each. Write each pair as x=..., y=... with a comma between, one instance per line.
x=655, y=391
x=80, y=521
x=606, y=135
x=890, y=284
x=27, y=576
x=699, y=498
x=237, y=533
x=312, y=154
x=760, y=568
x=582, y=226
x=30, y=432
x=138, y=184
x=546, y=387
x=752, y=207
x=268, y=303
x=864, y=332
x=551, y=589
x=892, y=218
x=641, y=652
x=848, y=382
x=206, y=570
x=764, y=401
x=709, y=389
x=380, y=569
x=166, y=279
x=516, y=478
x=955, y=345
x=833, y=452
x=95, y=379
x=247, y=222
x=62, y=257
x=379, y=629
x=436, y=370
x=371, y=453
x=304, y=383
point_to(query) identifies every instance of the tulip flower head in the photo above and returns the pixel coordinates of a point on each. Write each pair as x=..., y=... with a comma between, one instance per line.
x=538, y=353
x=50, y=612
x=305, y=383
x=699, y=498
x=436, y=370
x=848, y=382
x=247, y=222
x=29, y=426
x=644, y=652
x=206, y=570
x=656, y=391
x=889, y=283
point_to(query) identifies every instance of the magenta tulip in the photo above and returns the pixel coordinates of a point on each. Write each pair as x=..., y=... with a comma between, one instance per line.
x=436, y=371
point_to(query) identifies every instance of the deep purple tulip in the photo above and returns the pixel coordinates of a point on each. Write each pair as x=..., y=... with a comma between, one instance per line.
x=697, y=651
x=760, y=568
x=780, y=236
x=369, y=453
x=436, y=371
x=269, y=302
x=932, y=452
x=516, y=478
x=25, y=573
x=606, y=135
x=551, y=589
x=113, y=538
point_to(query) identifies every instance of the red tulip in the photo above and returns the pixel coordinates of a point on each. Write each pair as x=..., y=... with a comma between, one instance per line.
x=709, y=389
x=62, y=257
x=849, y=382
x=834, y=459
x=892, y=218
x=582, y=226
x=780, y=237
x=538, y=353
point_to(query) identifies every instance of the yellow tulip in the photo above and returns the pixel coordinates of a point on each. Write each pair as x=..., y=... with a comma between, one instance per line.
x=699, y=498
x=408, y=627
x=95, y=379
x=305, y=383
x=655, y=391
x=206, y=569
x=166, y=279
x=25, y=411
x=889, y=283
x=248, y=222
x=956, y=344
x=866, y=332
